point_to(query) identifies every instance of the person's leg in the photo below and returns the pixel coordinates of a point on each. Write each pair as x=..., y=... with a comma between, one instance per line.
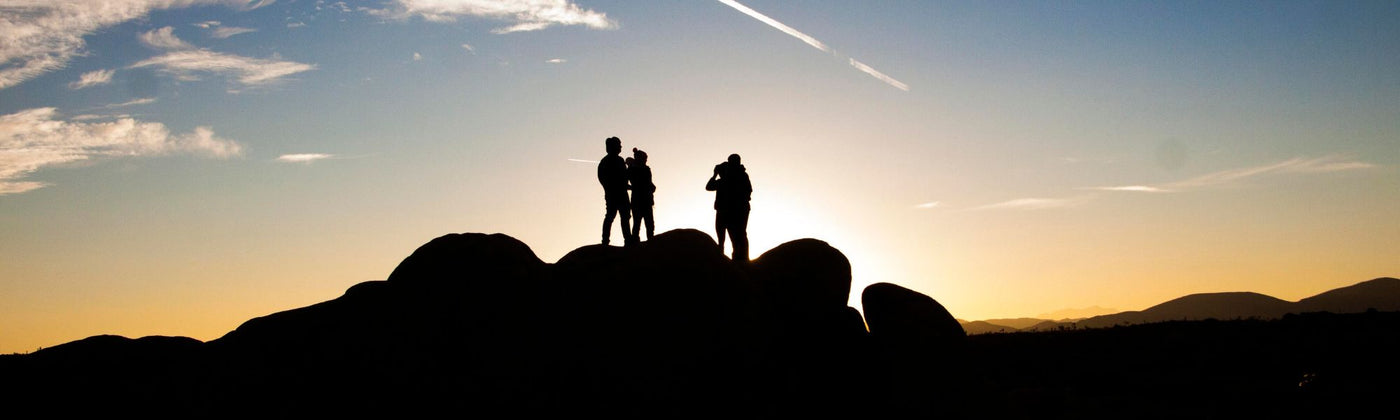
x=651, y=223
x=637, y=216
x=627, y=237
x=719, y=229
x=607, y=223
x=739, y=233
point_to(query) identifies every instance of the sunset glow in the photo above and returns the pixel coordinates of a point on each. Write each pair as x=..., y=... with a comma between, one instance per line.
x=179, y=167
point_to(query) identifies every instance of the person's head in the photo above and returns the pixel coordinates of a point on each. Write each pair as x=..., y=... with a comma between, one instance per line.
x=639, y=155
x=614, y=145
x=734, y=159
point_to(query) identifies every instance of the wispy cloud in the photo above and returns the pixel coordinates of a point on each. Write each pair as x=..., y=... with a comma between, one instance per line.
x=1034, y=204
x=522, y=15
x=469, y=48
x=184, y=62
x=556, y=61
x=37, y=37
x=1299, y=165
x=34, y=139
x=186, y=65
x=304, y=157
x=93, y=78
x=164, y=39
x=815, y=44
x=929, y=205
x=417, y=56
x=137, y=101
x=223, y=32
x=90, y=117
x=1130, y=188
x=294, y=25
x=583, y=160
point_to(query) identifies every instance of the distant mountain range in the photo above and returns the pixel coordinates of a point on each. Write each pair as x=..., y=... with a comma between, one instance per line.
x=1381, y=294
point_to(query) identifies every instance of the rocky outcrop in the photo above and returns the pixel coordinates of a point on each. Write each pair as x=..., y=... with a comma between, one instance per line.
x=477, y=323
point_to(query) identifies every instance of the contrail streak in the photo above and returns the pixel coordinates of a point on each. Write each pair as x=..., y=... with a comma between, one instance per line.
x=878, y=75
x=815, y=43
x=776, y=24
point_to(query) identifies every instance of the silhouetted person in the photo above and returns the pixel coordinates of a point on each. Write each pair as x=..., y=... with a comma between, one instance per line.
x=732, y=191
x=643, y=193
x=612, y=173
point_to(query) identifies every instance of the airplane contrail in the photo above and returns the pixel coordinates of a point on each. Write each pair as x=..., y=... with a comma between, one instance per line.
x=815, y=43
x=776, y=24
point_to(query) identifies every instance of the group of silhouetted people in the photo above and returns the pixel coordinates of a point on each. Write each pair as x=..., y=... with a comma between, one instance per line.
x=729, y=182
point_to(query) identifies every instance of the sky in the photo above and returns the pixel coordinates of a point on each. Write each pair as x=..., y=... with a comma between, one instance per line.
x=177, y=167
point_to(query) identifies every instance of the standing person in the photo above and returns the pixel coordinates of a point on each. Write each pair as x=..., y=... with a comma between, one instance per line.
x=643, y=194
x=612, y=173
x=732, y=193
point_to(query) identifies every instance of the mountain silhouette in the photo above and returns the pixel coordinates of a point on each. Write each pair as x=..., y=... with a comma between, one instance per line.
x=984, y=327
x=1381, y=294
x=477, y=323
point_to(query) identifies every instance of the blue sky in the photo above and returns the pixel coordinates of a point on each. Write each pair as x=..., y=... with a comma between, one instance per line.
x=177, y=167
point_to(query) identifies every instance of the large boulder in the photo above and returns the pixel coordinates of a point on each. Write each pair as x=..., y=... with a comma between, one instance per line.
x=464, y=259
x=805, y=278
x=919, y=353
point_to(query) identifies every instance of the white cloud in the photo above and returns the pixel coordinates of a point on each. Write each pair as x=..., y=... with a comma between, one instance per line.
x=224, y=32
x=929, y=205
x=207, y=24
x=184, y=60
x=1034, y=204
x=1325, y=164
x=188, y=64
x=1320, y=165
x=523, y=15
x=34, y=139
x=556, y=61
x=468, y=47
x=93, y=78
x=815, y=43
x=138, y=101
x=1130, y=188
x=417, y=56
x=303, y=157
x=164, y=39
x=90, y=117
x=39, y=36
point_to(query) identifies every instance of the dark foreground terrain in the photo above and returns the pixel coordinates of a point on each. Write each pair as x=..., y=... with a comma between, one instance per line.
x=474, y=325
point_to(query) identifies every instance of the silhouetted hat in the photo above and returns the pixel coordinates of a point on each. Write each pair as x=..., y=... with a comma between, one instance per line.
x=639, y=153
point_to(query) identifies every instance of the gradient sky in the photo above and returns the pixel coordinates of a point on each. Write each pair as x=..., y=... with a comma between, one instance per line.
x=176, y=167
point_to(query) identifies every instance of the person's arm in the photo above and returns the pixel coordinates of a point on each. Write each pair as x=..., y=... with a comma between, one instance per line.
x=602, y=178
x=714, y=179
